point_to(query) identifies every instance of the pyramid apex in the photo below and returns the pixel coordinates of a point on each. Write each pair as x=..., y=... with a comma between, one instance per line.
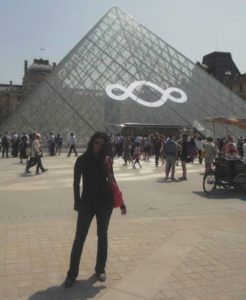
x=122, y=73
x=115, y=8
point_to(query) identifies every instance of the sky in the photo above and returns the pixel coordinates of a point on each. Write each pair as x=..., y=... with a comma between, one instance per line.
x=193, y=27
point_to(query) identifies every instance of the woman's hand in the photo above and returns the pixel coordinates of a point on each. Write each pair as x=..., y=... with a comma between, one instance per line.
x=76, y=207
x=123, y=211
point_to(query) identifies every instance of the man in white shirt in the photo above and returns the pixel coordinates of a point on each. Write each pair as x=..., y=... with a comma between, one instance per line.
x=199, y=146
x=72, y=144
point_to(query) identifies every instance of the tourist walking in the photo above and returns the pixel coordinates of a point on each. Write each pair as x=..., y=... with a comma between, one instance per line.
x=127, y=151
x=192, y=149
x=136, y=156
x=52, y=142
x=58, y=143
x=23, y=146
x=35, y=157
x=146, y=148
x=184, y=156
x=5, y=145
x=72, y=143
x=157, y=144
x=200, y=148
x=96, y=200
x=118, y=145
x=170, y=151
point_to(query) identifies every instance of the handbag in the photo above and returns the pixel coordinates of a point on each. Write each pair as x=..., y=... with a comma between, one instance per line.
x=188, y=159
x=38, y=154
x=117, y=194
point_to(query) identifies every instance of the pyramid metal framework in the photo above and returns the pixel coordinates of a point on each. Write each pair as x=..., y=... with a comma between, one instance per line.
x=118, y=50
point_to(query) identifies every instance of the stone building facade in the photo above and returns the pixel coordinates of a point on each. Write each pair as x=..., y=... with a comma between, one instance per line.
x=239, y=86
x=221, y=66
x=11, y=95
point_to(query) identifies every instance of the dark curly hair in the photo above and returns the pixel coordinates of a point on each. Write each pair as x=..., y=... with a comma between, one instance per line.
x=95, y=136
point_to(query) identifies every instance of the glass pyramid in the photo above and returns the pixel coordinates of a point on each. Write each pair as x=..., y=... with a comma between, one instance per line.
x=121, y=72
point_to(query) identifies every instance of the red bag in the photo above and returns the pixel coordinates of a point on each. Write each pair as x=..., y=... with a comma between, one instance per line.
x=117, y=194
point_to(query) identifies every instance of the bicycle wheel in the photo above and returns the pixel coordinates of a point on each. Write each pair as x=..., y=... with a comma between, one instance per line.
x=240, y=183
x=209, y=182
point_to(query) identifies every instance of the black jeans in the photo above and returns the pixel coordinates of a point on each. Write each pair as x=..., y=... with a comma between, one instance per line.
x=157, y=156
x=39, y=164
x=200, y=156
x=85, y=217
x=72, y=148
x=5, y=150
x=31, y=162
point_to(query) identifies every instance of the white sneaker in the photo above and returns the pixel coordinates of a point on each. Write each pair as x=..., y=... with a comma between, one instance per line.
x=101, y=277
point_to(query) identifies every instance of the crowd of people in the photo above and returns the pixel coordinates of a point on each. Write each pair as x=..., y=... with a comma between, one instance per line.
x=28, y=148
x=97, y=198
x=20, y=144
x=170, y=149
x=166, y=150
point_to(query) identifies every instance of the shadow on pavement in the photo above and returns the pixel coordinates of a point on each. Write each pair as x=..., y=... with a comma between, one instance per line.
x=26, y=175
x=81, y=290
x=163, y=180
x=221, y=194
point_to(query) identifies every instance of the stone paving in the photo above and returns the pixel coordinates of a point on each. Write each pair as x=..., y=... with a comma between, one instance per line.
x=175, y=243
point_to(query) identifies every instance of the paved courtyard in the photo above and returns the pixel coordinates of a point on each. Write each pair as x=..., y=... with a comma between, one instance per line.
x=174, y=243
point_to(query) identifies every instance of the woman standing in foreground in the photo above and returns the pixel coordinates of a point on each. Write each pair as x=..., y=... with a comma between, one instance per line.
x=96, y=200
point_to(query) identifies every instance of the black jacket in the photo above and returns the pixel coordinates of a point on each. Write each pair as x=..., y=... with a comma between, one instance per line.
x=96, y=188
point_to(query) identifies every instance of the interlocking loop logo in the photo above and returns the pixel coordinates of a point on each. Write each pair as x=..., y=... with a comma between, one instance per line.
x=128, y=93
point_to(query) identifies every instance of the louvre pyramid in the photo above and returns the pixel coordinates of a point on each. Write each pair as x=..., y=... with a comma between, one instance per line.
x=119, y=50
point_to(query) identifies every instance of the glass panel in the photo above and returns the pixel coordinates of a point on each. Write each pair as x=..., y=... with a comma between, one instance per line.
x=119, y=50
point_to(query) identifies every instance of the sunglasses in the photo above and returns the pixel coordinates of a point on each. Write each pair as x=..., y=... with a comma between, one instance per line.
x=99, y=143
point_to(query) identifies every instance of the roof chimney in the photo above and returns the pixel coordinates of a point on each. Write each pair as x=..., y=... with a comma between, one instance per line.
x=25, y=67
